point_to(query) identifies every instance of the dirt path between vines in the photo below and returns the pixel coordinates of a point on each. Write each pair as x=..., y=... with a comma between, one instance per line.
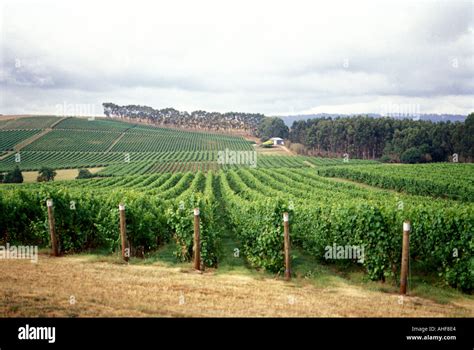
x=287, y=150
x=83, y=285
x=115, y=142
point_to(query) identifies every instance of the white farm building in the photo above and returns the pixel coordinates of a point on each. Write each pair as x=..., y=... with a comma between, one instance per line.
x=277, y=141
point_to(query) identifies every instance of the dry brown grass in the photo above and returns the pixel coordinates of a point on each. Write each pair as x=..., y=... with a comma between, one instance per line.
x=62, y=174
x=104, y=288
x=275, y=151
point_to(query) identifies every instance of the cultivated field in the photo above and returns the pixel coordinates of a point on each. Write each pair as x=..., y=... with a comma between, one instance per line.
x=133, y=148
x=161, y=175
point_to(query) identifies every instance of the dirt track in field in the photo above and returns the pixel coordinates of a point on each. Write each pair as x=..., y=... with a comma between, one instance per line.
x=78, y=286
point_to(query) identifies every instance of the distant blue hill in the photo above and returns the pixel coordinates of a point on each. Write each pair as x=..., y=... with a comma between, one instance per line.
x=433, y=117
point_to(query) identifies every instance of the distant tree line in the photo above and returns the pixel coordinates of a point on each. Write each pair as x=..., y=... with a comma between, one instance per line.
x=232, y=121
x=388, y=139
x=272, y=127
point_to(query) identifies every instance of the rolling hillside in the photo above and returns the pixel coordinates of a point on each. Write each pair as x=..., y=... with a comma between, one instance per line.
x=159, y=176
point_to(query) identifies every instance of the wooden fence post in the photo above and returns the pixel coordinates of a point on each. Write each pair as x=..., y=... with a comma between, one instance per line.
x=123, y=233
x=286, y=226
x=197, y=243
x=52, y=228
x=405, y=257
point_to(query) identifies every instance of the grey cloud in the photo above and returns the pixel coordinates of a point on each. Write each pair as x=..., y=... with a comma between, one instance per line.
x=428, y=56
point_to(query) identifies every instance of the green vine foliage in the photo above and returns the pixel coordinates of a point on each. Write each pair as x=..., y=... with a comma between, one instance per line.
x=180, y=218
x=83, y=220
x=441, y=239
x=252, y=203
x=443, y=180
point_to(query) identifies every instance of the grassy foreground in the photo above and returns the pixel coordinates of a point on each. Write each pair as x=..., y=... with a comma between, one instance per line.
x=91, y=285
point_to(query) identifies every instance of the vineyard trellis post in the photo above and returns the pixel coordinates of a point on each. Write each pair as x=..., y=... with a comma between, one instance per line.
x=52, y=228
x=286, y=229
x=123, y=233
x=197, y=243
x=405, y=257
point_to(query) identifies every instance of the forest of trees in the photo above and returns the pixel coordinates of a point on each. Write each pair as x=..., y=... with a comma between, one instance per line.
x=389, y=139
x=232, y=121
x=272, y=127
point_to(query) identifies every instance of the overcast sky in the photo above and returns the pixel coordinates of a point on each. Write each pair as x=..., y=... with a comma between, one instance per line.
x=271, y=57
